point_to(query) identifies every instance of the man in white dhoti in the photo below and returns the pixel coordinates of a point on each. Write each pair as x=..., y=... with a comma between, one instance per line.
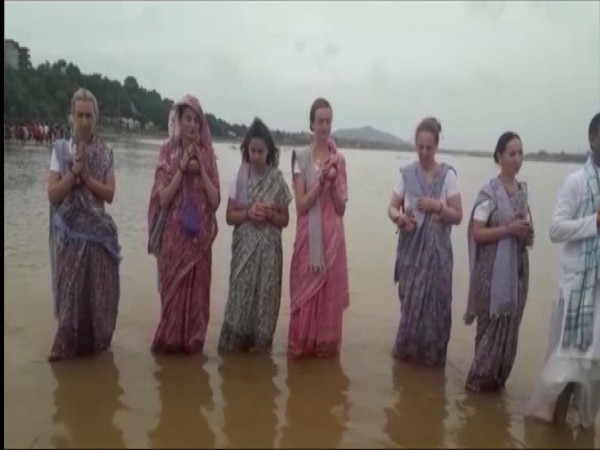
x=570, y=379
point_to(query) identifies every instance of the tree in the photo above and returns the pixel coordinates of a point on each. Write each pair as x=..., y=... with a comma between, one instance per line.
x=131, y=84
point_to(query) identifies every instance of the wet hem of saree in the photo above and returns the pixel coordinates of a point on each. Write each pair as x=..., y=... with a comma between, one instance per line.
x=482, y=386
x=313, y=354
x=176, y=349
x=417, y=360
x=66, y=356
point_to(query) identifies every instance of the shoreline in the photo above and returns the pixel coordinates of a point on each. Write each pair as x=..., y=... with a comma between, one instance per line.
x=562, y=157
x=113, y=135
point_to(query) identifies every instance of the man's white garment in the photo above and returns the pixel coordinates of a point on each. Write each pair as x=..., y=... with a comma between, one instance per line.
x=570, y=227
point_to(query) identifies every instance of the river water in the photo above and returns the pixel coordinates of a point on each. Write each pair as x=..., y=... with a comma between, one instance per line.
x=129, y=398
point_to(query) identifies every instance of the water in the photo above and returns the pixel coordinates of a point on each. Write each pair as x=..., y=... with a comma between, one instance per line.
x=129, y=398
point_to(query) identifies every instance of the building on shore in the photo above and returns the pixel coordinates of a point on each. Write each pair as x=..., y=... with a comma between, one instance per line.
x=15, y=56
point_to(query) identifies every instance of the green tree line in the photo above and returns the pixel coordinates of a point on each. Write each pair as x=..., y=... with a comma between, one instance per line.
x=44, y=93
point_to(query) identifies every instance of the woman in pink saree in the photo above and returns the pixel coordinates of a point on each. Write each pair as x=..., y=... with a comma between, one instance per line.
x=182, y=228
x=319, y=271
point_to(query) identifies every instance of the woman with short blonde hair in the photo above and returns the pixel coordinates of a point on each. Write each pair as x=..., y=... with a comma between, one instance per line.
x=84, y=245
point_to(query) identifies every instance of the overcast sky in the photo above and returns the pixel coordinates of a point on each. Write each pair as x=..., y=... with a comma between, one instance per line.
x=480, y=67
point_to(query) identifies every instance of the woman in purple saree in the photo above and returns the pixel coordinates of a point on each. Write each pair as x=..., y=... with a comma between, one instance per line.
x=84, y=246
x=424, y=205
x=500, y=232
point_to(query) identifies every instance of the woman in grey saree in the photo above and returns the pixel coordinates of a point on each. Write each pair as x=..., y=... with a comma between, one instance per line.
x=500, y=230
x=258, y=209
x=84, y=247
x=424, y=205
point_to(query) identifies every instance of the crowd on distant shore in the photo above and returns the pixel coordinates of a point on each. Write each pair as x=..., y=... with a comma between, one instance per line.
x=35, y=132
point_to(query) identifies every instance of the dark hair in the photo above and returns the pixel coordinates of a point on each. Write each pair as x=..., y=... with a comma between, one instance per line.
x=259, y=130
x=181, y=109
x=594, y=127
x=317, y=104
x=430, y=125
x=503, y=142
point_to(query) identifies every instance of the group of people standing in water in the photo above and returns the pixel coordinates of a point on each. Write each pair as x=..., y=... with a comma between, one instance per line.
x=425, y=204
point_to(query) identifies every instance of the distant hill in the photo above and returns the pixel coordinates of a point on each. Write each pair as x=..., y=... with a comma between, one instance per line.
x=373, y=136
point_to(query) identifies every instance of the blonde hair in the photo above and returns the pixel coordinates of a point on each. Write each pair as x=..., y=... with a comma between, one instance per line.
x=84, y=95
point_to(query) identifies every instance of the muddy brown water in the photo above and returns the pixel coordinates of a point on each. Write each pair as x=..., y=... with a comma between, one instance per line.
x=129, y=398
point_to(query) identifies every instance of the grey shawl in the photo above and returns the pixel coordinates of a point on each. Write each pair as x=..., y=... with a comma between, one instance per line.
x=241, y=187
x=504, y=289
x=315, y=234
x=417, y=187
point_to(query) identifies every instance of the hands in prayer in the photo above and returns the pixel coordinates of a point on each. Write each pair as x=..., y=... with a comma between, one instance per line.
x=328, y=173
x=79, y=168
x=190, y=160
x=520, y=228
x=260, y=212
x=406, y=221
x=429, y=205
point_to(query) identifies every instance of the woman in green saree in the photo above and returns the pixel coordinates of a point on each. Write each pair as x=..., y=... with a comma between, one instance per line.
x=258, y=210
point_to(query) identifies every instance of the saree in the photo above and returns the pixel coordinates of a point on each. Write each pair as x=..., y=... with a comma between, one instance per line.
x=319, y=297
x=252, y=307
x=498, y=320
x=423, y=272
x=84, y=260
x=184, y=260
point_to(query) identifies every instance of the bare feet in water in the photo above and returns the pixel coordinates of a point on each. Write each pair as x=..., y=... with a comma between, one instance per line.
x=562, y=404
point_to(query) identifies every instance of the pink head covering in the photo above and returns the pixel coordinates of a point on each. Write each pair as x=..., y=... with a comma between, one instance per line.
x=167, y=166
x=174, y=127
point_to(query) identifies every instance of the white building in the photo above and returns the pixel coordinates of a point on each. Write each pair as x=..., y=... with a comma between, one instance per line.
x=11, y=53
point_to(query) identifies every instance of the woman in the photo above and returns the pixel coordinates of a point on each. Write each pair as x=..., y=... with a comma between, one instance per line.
x=84, y=245
x=425, y=204
x=319, y=271
x=258, y=209
x=500, y=230
x=182, y=227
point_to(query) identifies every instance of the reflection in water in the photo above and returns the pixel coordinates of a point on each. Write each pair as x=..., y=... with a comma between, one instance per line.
x=249, y=393
x=417, y=417
x=317, y=405
x=542, y=435
x=86, y=399
x=485, y=421
x=184, y=389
